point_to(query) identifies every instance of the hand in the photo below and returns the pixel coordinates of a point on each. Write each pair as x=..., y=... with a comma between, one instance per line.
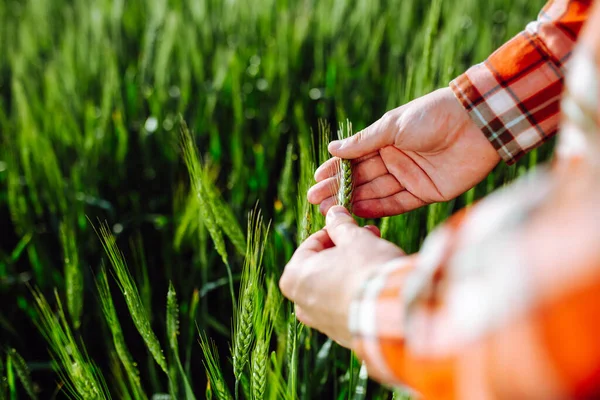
x=426, y=151
x=327, y=270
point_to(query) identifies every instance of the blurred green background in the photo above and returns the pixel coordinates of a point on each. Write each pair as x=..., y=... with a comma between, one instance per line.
x=92, y=99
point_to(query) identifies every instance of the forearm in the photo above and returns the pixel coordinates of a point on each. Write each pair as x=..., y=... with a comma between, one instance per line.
x=490, y=306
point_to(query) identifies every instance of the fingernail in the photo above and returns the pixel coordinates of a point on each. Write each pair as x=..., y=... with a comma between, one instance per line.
x=335, y=212
x=335, y=145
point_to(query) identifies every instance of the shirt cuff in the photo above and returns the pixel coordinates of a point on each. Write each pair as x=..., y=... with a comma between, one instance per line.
x=514, y=96
x=376, y=319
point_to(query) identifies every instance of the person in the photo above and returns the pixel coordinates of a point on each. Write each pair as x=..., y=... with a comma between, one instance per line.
x=503, y=300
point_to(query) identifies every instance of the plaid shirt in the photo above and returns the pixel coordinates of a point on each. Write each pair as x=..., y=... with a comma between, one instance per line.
x=503, y=301
x=514, y=95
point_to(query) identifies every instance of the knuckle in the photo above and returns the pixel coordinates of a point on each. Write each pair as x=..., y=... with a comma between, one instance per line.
x=343, y=229
x=361, y=136
x=387, y=120
x=323, y=207
x=301, y=315
x=338, y=226
x=284, y=283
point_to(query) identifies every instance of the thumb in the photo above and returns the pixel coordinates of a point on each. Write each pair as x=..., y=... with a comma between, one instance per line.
x=342, y=228
x=378, y=135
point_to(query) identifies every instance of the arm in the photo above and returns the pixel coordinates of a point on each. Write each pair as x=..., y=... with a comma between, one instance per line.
x=502, y=302
x=514, y=95
x=432, y=149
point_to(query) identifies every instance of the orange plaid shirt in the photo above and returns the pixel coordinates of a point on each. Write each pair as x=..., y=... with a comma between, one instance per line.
x=503, y=301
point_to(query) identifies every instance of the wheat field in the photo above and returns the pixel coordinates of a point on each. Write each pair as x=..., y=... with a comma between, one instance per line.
x=154, y=162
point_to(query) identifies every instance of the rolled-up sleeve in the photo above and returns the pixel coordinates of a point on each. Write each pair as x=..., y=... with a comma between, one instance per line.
x=514, y=95
x=501, y=302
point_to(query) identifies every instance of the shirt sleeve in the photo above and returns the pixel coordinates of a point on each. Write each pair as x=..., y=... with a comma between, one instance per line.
x=501, y=302
x=514, y=95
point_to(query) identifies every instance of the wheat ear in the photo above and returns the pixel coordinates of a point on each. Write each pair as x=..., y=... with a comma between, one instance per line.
x=22, y=370
x=123, y=354
x=138, y=312
x=344, y=172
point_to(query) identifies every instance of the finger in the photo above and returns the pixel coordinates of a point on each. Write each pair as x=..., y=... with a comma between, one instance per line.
x=327, y=169
x=373, y=229
x=363, y=172
x=302, y=316
x=342, y=228
x=384, y=186
x=365, y=157
x=322, y=190
x=327, y=204
x=374, y=137
x=399, y=203
x=315, y=243
x=413, y=175
x=369, y=169
x=371, y=161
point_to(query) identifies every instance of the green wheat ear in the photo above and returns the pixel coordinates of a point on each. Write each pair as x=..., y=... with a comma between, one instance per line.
x=216, y=382
x=346, y=182
x=132, y=297
x=81, y=376
x=251, y=292
x=172, y=333
x=196, y=173
x=260, y=355
x=123, y=354
x=73, y=273
x=216, y=215
x=20, y=367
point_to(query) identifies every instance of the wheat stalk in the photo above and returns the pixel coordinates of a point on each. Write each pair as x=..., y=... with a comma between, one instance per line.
x=291, y=353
